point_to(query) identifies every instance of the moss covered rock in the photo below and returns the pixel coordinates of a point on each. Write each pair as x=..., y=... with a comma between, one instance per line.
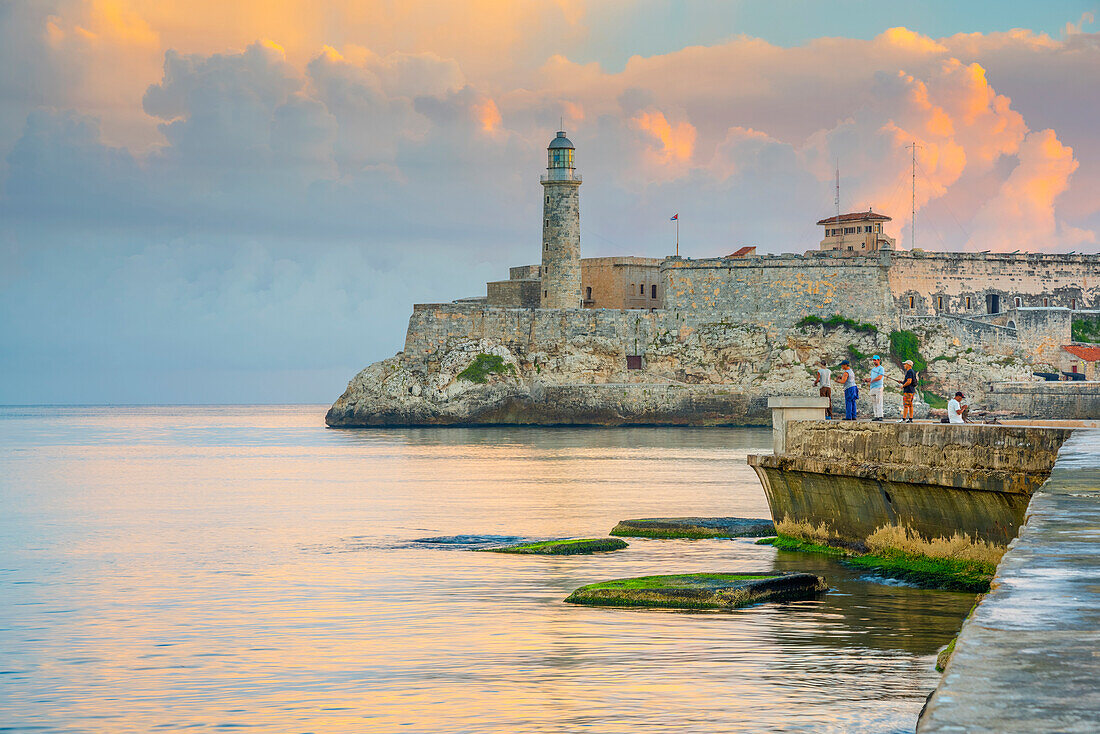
x=700, y=590
x=566, y=547
x=694, y=527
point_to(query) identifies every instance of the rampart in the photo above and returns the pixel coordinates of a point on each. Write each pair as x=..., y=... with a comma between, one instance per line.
x=1042, y=400
x=776, y=291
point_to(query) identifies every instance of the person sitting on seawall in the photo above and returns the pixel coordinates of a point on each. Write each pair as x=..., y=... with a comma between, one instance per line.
x=957, y=410
x=908, y=391
x=878, y=381
x=822, y=382
x=851, y=390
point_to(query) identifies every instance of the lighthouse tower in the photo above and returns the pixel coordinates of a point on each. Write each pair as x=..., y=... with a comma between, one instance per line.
x=561, y=227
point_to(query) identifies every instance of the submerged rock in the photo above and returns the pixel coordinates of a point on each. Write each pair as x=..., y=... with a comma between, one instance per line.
x=694, y=527
x=565, y=547
x=700, y=590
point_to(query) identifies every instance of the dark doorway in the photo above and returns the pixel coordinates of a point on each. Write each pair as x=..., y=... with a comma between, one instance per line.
x=634, y=362
x=993, y=303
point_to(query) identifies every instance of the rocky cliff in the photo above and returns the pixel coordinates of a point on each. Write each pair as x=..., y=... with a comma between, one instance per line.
x=475, y=366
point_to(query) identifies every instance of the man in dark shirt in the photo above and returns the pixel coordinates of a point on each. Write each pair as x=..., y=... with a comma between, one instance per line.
x=908, y=391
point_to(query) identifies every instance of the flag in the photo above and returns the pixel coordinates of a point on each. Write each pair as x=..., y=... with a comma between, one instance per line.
x=674, y=218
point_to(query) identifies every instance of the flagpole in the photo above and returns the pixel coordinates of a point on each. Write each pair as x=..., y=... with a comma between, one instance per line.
x=677, y=235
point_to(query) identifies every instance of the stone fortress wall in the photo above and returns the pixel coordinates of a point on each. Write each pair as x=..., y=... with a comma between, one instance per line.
x=781, y=289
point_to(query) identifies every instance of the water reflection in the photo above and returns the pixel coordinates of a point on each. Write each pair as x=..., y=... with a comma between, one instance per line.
x=232, y=567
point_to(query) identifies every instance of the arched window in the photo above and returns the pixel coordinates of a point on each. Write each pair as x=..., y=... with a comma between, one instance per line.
x=653, y=291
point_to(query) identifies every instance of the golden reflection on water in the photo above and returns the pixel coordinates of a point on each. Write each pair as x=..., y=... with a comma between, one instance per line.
x=245, y=567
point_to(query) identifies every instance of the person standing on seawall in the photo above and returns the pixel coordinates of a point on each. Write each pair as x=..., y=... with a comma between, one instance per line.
x=851, y=390
x=908, y=391
x=878, y=381
x=823, y=382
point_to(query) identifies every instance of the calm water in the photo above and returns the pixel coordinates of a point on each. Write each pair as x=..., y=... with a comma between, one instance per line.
x=233, y=567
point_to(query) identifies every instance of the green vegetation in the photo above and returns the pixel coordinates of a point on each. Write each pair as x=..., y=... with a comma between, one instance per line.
x=934, y=400
x=951, y=574
x=836, y=321
x=945, y=358
x=483, y=366
x=906, y=345
x=700, y=590
x=693, y=528
x=1086, y=330
x=568, y=547
x=945, y=654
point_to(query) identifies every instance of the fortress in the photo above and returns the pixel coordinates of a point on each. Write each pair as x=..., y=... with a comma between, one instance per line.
x=725, y=326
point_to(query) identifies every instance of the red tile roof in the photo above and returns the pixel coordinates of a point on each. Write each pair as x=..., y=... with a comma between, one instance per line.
x=743, y=252
x=1089, y=354
x=867, y=216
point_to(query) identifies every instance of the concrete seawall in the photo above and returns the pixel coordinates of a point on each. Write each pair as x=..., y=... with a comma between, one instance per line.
x=936, y=479
x=1026, y=659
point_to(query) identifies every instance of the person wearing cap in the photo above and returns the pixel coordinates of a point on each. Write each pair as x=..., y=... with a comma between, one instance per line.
x=908, y=391
x=877, y=379
x=851, y=390
x=957, y=410
x=822, y=382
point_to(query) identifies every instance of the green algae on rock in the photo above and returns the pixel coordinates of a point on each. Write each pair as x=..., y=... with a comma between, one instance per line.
x=948, y=574
x=565, y=547
x=694, y=527
x=700, y=590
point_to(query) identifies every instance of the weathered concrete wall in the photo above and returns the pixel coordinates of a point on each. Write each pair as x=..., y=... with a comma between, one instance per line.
x=1042, y=400
x=1026, y=659
x=936, y=479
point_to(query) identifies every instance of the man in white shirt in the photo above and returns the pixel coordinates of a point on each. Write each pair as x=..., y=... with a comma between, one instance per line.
x=957, y=410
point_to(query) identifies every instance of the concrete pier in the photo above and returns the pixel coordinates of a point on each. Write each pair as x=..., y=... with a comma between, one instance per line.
x=1028, y=658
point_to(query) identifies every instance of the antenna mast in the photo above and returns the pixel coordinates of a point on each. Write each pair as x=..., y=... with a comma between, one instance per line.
x=913, y=200
x=836, y=200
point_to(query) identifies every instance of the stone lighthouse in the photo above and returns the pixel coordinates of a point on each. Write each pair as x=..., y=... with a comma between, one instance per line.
x=561, y=227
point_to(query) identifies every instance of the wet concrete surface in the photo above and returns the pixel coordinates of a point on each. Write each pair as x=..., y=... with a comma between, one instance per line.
x=1028, y=659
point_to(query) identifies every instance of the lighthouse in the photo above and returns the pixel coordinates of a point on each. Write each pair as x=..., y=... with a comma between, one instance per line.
x=561, y=227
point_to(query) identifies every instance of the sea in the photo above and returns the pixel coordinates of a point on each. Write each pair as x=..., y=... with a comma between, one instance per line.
x=246, y=568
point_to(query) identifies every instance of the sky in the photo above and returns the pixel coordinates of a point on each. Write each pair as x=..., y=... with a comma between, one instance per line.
x=211, y=202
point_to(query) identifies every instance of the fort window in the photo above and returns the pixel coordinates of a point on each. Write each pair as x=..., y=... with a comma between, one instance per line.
x=641, y=289
x=545, y=294
x=546, y=222
x=634, y=362
x=911, y=300
x=1073, y=303
x=1016, y=301
x=939, y=303
x=968, y=303
x=588, y=293
x=653, y=291
x=547, y=199
x=1045, y=302
x=850, y=248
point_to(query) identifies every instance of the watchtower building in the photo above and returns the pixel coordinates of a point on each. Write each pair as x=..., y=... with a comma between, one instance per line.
x=561, y=227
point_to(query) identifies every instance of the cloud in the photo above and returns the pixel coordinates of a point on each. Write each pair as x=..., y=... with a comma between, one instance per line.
x=1022, y=215
x=278, y=203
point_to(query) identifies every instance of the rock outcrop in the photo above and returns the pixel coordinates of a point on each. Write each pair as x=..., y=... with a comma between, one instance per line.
x=627, y=368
